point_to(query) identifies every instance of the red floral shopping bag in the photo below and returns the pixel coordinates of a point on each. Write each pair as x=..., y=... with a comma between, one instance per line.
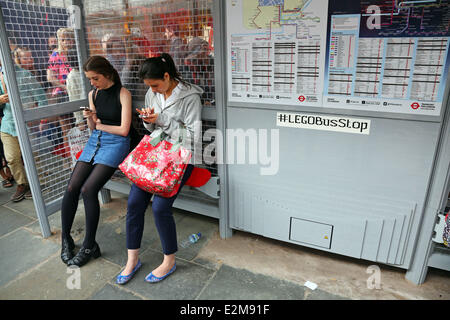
x=156, y=167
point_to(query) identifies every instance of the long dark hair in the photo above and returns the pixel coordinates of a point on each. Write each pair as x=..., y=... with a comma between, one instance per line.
x=102, y=66
x=156, y=67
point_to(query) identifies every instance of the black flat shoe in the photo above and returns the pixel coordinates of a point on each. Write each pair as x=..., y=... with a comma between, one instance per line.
x=67, y=247
x=84, y=255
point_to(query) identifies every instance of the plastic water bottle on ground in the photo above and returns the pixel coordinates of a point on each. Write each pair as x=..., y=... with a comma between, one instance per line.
x=193, y=238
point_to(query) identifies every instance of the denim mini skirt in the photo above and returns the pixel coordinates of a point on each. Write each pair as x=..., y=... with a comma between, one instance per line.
x=105, y=148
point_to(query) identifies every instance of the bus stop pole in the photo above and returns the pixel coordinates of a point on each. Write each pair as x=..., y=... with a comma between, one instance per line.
x=221, y=121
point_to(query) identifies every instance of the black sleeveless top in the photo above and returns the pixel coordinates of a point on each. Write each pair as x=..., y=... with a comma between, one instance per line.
x=108, y=106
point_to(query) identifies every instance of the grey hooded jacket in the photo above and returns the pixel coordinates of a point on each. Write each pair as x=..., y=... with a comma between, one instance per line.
x=182, y=110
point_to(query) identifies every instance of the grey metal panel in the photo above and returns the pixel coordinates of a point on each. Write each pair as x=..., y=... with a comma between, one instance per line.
x=264, y=212
x=53, y=206
x=211, y=188
x=194, y=205
x=268, y=212
x=376, y=207
x=395, y=242
x=248, y=208
x=372, y=239
x=118, y=187
x=406, y=244
x=373, y=181
x=388, y=228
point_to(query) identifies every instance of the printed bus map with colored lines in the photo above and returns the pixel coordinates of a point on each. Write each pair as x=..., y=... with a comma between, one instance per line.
x=413, y=18
x=270, y=15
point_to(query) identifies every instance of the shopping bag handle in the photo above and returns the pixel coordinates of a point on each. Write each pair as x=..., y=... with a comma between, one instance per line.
x=157, y=139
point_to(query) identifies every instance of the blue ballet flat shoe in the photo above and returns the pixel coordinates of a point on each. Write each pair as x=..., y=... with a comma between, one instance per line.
x=124, y=279
x=152, y=278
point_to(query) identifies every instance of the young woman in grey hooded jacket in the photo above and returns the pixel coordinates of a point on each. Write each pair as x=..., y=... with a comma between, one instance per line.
x=172, y=107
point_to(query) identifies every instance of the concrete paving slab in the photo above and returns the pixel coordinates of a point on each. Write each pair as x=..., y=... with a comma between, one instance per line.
x=186, y=224
x=207, y=263
x=335, y=274
x=114, y=292
x=111, y=233
x=321, y=295
x=26, y=206
x=111, y=238
x=21, y=251
x=53, y=280
x=238, y=284
x=11, y=220
x=54, y=220
x=185, y=283
x=6, y=193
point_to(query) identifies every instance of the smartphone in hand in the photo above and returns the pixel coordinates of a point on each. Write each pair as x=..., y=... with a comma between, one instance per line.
x=144, y=114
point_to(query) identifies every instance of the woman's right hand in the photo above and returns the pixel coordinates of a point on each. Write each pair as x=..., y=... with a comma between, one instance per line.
x=88, y=113
x=147, y=114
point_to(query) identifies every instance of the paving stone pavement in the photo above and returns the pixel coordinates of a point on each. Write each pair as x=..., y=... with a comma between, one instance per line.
x=244, y=267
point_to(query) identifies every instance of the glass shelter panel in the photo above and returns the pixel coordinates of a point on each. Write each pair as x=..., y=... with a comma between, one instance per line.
x=46, y=55
x=127, y=32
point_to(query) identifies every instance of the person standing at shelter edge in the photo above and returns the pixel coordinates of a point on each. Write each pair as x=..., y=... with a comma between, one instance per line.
x=31, y=93
x=58, y=67
x=57, y=72
x=170, y=105
x=109, y=118
x=5, y=172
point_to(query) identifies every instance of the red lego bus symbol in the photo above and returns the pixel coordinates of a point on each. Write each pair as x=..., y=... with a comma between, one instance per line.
x=301, y=98
x=415, y=105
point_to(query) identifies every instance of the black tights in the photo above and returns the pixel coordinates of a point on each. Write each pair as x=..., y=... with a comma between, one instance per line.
x=86, y=179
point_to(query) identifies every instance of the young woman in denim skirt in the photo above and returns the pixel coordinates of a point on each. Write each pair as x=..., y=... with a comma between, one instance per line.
x=109, y=118
x=171, y=105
